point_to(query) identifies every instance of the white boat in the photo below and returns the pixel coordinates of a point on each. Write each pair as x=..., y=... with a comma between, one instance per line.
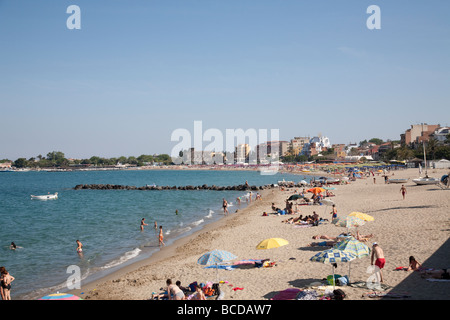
x=426, y=180
x=46, y=197
x=405, y=180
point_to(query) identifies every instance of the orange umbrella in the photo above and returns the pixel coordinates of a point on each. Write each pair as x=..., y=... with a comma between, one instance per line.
x=316, y=190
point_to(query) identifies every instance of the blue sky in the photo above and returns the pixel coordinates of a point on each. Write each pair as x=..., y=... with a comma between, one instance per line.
x=137, y=70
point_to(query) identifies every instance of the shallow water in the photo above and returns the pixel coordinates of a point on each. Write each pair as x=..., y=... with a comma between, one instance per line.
x=105, y=221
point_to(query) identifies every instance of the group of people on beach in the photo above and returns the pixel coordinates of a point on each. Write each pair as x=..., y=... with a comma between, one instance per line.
x=155, y=225
x=195, y=291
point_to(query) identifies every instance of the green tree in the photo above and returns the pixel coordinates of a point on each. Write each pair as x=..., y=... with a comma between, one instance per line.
x=377, y=141
x=21, y=163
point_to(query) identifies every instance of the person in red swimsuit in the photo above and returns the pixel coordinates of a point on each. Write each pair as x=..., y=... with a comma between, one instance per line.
x=380, y=261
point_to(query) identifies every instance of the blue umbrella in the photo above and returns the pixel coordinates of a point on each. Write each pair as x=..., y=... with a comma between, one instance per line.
x=215, y=257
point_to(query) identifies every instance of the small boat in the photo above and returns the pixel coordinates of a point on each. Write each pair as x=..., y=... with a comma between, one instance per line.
x=46, y=197
x=405, y=180
x=426, y=181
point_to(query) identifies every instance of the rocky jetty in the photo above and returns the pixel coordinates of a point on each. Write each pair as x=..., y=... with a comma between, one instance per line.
x=188, y=187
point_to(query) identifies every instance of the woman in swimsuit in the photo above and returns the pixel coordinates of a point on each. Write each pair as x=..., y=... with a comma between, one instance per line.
x=161, y=236
x=225, y=205
x=5, y=284
x=173, y=289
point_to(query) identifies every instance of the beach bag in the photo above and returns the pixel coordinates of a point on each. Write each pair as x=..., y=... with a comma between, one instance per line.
x=208, y=291
x=330, y=279
x=342, y=281
x=193, y=286
x=338, y=294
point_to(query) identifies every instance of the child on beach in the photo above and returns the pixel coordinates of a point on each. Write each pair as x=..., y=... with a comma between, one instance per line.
x=334, y=212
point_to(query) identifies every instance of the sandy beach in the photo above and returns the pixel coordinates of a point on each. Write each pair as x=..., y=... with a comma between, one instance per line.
x=418, y=225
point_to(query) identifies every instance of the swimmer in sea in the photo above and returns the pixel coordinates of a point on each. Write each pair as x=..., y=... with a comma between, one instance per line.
x=143, y=224
x=79, y=247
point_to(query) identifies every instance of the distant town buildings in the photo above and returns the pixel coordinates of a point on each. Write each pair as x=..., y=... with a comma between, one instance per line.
x=419, y=133
x=319, y=147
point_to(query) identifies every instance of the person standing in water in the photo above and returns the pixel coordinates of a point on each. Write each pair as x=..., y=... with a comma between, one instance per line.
x=79, y=248
x=225, y=206
x=143, y=224
x=161, y=237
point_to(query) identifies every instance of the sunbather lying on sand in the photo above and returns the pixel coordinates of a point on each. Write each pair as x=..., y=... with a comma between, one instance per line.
x=324, y=237
x=322, y=244
x=437, y=274
x=363, y=238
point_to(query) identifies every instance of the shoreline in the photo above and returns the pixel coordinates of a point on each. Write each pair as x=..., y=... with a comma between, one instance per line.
x=166, y=253
x=418, y=226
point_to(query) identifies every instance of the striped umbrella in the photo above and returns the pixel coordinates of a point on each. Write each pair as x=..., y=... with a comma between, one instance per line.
x=60, y=296
x=354, y=247
x=332, y=256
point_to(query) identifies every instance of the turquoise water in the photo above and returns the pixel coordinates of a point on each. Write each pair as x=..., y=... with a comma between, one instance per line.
x=105, y=221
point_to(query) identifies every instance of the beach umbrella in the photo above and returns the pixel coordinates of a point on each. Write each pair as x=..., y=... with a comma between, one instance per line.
x=296, y=197
x=355, y=247
x=362, y=216
x=327, y=202
x=303, y=182
x=332, y=256
x=60, y=296
x=215, y=257
x=316, y=190
x=271, y=243
x=348, y=222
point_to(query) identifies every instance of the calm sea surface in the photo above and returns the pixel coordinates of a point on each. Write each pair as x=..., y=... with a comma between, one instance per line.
x=105, y=221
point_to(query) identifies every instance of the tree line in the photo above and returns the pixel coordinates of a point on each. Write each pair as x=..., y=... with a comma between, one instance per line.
x=58, y=159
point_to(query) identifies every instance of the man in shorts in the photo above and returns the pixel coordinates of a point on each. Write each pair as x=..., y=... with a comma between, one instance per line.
x=377, y=253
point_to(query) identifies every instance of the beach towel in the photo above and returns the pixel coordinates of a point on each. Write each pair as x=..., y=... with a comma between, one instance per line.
x=288, y=294
x=229, y=268
x=363, y=284
x=308, y=295
x=438, y=280
x=375, y=294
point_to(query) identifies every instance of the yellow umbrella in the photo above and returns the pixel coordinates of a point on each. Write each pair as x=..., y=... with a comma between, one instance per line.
x=362, y=216
x=271, y=243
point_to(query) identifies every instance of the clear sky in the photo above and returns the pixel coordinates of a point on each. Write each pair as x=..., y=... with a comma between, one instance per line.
x=139, y=69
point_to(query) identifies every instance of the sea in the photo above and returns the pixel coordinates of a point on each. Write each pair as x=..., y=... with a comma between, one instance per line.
x=107, y=222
